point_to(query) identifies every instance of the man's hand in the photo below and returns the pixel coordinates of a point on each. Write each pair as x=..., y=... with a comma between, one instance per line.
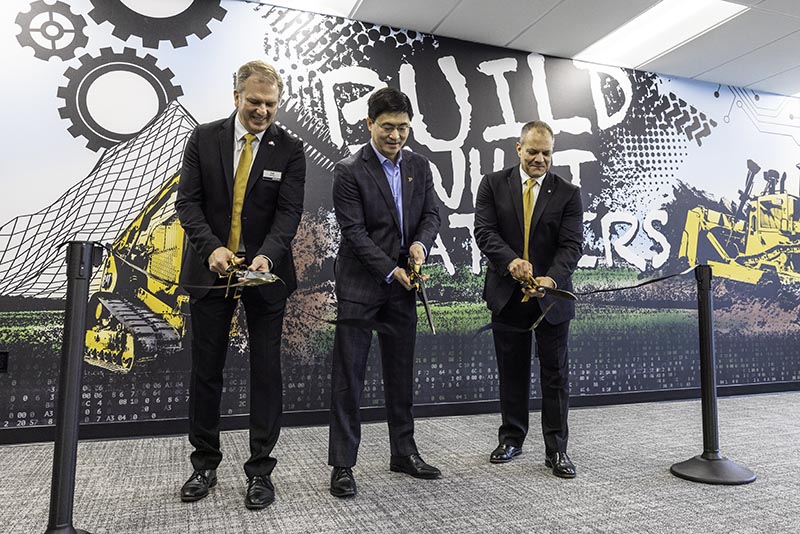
x=539, y=281
x=545, y=281
x=417, y=253
x=400, y=275
x=260, y=263
x=221, y=259
x=521, y=270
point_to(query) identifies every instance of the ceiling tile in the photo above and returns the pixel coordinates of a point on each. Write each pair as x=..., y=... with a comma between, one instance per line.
x=419, y=15
x=785, y=83
x=573, y=25
x=735, y=38
x=487, y=22
x=788, y=7
x=759, y=64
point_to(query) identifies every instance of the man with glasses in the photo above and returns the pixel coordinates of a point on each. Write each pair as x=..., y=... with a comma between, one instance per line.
x=386, y=209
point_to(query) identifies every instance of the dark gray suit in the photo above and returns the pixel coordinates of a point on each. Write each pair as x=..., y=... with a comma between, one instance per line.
x=370, y=249
x=271, y=212
x=556, y=240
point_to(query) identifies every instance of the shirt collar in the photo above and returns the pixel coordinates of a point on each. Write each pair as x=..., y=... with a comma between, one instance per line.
x=525, y=177
x=239, y=131
x=383, y=159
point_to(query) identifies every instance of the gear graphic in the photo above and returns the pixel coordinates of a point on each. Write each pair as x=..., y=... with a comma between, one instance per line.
x=191, y=21
x=51, y=30
x=80, y=80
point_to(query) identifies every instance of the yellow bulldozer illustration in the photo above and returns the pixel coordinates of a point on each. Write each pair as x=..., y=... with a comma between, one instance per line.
x=757, y=241
x=134, y=317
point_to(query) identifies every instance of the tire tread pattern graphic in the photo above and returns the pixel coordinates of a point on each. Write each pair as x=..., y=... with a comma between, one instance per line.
x=676, y=112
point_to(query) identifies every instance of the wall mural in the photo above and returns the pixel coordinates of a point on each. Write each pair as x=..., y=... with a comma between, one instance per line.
x=673, y=173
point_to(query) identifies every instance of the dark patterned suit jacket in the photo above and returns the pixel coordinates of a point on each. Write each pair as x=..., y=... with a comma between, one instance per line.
x=556, y=236
x=367, y=216
x=270, y=213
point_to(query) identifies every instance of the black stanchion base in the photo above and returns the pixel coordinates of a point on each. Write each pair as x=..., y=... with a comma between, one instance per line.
x=712, y=469
x=66, y=530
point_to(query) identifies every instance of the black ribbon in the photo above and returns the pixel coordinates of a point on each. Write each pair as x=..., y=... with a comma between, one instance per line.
x=566, y=295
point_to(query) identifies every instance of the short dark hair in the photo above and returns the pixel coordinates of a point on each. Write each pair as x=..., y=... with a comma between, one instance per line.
x=535, y=125
x=388, y=100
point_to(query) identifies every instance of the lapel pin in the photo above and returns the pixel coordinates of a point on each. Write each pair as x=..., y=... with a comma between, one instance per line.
x=271, y=142
x=410, y=179
x=549, y=191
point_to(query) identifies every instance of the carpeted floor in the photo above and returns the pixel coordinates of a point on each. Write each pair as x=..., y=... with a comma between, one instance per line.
x=623, y=454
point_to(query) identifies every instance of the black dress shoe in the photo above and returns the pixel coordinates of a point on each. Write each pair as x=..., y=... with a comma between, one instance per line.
x=260, y=492
x=413, y=465
x=343, y=483
x=504, y=453
x=561, y=464
x=198, y=484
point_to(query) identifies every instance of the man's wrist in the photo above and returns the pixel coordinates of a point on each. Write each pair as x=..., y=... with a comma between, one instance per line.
x=391, y=276
x=424, y=248
x=555, y=285
x=269, y=261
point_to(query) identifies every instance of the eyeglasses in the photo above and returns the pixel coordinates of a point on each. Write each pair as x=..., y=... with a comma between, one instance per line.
x=389, y=128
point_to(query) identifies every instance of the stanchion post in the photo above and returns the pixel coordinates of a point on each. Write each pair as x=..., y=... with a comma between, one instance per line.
x=81, y=256
x=708, y=362
x=710, y=467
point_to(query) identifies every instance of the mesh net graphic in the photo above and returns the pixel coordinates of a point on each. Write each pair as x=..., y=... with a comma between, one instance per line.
x=97, y=208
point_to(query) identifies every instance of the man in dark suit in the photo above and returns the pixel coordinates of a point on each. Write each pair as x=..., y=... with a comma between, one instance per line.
x=542, y=251
x=240, y=199
x=386, y=209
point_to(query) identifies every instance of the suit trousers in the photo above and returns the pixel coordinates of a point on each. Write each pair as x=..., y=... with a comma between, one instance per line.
x=513, y=351
x=211, y=323
x=351, y=346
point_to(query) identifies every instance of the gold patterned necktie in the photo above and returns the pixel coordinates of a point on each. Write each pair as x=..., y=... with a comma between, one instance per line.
x=527, y=204
x=239, y=187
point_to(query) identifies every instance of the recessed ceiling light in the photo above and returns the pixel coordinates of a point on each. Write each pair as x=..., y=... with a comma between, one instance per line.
x=664, y=27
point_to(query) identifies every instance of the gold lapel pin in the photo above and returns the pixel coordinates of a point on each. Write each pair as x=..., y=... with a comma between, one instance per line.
x=410, y=179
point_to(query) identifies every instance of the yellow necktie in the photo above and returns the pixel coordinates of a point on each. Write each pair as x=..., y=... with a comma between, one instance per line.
x=527, y=204
x=239, y=187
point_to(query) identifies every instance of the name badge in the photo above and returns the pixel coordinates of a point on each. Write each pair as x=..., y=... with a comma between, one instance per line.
x=274, y=176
